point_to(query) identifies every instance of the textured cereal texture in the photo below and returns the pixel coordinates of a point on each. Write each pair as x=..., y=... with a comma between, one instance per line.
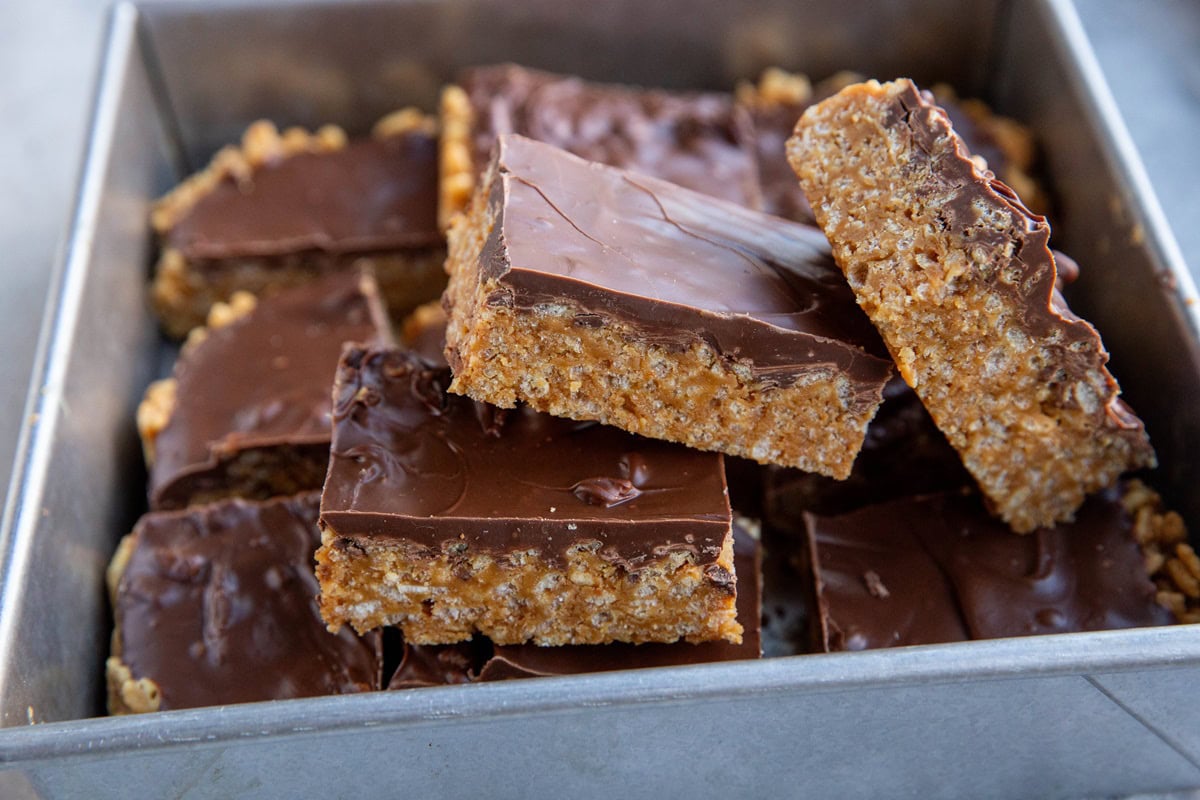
x=425, y=319
x=776, y=87
x=154, y=412
x=184, y=290
x=1171, y=562
x=613, y=374
x=126, y=694
x=456, y=170
x=957, y=276
x=441, y=597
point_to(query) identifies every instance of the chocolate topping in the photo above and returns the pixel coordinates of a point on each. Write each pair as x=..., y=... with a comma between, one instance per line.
x=373, y=194
x=412, y=462
x=217, y=605
x=675, y=265
x=978, y=139
x=939, y=569
x=1075, y=376
x=262, y=381
x=782, y=195
x=438, y=664
x=695, y=140
x=607, y=492
x=527, y=660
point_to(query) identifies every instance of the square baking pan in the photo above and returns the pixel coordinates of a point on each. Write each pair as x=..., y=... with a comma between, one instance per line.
x=1069, y=715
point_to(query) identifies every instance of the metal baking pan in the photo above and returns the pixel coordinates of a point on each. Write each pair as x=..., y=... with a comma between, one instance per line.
x=1084, y=714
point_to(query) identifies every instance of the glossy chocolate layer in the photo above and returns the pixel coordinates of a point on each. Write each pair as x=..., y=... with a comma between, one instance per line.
x=262, y=381
x=411, y=462
x=439, y=664
x=529, y=661
x=939, y=569
x=1075, y=375
x=978, y=139
x=676, y=265
x=903, y=454
x=374, y=194
x=218, y=605
x=696, y=140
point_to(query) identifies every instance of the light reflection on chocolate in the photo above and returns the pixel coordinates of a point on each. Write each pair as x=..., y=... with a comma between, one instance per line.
x=217, y=605
x=374, y=194
x=951, y=572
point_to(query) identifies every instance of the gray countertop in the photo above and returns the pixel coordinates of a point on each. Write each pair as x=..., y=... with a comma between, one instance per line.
x=49, y=52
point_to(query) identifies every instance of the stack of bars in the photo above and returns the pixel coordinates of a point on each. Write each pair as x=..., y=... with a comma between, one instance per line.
x=640, y=322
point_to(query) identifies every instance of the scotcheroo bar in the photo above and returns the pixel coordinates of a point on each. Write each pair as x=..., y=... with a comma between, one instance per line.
x=447, y=518
x=247, y=410
x=958, y=277
x=284, y=209
x=593, y=293
x=217, y=605
x=479, y=660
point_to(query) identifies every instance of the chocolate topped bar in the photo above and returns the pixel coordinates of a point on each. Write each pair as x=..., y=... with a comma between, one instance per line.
x=372, y=194
x=284, y=209
x=446, y=517
x=1007, y=147
x=506, y=478
x=904, y=454
x=957, y=275
x=697, y=140
x=665, y=312
x=671, y=263
x=250, y=414
x=216, y=605
x=939, y=569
